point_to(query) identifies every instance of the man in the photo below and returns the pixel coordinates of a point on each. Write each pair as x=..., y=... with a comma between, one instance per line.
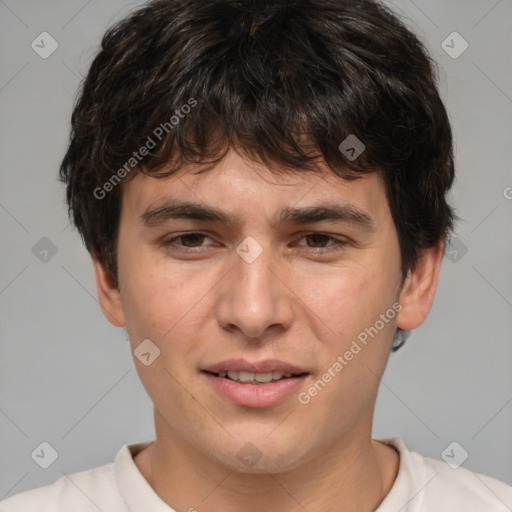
x=262, y=187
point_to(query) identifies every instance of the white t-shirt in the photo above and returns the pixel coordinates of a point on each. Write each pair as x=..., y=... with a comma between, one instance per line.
x=422, y=485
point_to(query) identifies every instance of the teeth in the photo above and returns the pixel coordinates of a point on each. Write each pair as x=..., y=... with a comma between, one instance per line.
x=262, y=377
x=233, y=375
x=244, y=376
x=254, y=377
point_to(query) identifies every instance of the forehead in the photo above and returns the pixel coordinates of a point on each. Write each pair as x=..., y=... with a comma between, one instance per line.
x=245, y=187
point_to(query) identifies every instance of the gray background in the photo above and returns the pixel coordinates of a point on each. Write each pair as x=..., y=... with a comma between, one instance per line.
x=66, y=375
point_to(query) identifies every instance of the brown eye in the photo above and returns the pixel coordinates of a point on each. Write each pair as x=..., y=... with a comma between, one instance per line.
x=318, y=239
x=185, y=241
x=318, y=242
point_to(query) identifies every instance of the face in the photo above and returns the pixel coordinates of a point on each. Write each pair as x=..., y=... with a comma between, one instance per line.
x=313, y=294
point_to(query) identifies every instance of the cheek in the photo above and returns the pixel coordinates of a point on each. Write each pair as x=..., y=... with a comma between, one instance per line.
x=156, y=304
x=161, y=309
x=346, y=298
x=346, y=307
x=154, y=296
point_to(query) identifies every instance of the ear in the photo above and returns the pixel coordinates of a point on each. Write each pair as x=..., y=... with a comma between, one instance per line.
x=108, y=294
x=419, y=289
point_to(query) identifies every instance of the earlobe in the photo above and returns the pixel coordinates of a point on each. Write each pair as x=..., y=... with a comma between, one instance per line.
x=419, y=289
x=108, y=294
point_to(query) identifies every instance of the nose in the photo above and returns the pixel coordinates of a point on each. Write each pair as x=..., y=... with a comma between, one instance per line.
x=255, y=299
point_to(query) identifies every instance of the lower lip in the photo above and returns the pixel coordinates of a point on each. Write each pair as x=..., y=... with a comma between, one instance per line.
x=256, y=395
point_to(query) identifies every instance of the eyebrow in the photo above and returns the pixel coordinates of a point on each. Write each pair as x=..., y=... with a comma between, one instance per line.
x=334, y=212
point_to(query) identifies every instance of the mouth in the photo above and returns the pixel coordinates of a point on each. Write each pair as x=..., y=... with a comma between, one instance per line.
x=255, y=384
x=255, y=378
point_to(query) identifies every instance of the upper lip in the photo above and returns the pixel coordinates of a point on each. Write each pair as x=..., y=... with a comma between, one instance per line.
x=265, y=366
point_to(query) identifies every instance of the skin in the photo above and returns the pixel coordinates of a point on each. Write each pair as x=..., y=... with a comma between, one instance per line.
x=292, y=304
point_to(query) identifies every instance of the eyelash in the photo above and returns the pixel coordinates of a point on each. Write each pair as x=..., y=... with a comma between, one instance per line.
x=170, y=243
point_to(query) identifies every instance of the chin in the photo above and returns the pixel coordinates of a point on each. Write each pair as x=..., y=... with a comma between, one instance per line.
x=262, y=454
